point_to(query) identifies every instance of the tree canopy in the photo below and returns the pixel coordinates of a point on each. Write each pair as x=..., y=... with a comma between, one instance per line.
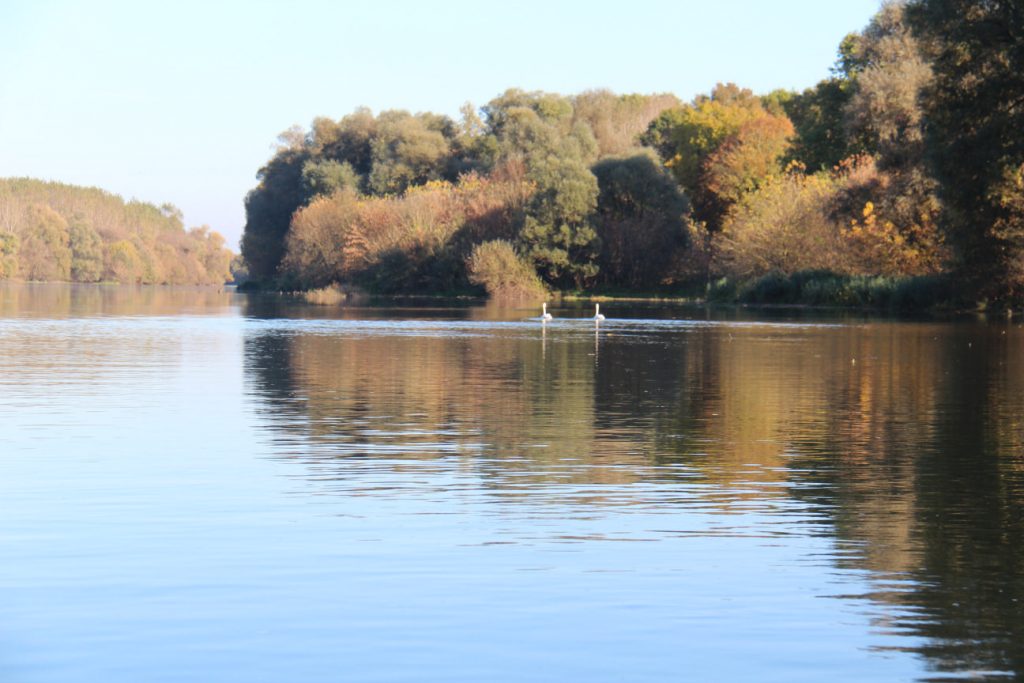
x=547, y=142
x=974, y=110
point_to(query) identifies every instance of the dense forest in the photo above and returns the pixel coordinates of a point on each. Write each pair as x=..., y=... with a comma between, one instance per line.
x=53, y=231
x=903, y=171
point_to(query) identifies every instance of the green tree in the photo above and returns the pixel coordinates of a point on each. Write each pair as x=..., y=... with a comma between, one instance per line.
x=640, y=221
x=409, y=150
x=553, y=139
x=349, y=140
x=557, y=232
x=269, y=208
x=554, y=110
x=818, y=116
x=885, y=117
x=327, y=176
x=239, y=271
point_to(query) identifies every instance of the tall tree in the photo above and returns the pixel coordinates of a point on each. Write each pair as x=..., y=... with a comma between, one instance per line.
x=557, y=233
x=889, y=72
x=617, y=121
x=640, y=222
x=884, y=111
x=269, y=208
x=819, y=113
x=975, y=115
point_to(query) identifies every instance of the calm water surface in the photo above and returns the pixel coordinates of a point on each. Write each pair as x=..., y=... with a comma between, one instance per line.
x=200, y=486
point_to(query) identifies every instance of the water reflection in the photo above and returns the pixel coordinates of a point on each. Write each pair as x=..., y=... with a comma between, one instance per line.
x=59, y=300
x=904, y=443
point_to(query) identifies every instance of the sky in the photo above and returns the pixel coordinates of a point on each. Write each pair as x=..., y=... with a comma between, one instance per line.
x=182, y=102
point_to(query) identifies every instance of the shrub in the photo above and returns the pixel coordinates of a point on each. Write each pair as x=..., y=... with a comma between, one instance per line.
x=798, y=223
x=784, y=227
x=400, y=244
x=882, y=247
x=640, y=221
x=918, y=293
x=331, y=295
x=772, y=287
x=496, y=266
x=826, y=288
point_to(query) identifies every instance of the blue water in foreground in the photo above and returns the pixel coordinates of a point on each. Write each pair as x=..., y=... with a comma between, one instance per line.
x=200, y=486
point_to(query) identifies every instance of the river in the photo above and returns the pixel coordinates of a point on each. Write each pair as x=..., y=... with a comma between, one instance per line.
x=200, y=485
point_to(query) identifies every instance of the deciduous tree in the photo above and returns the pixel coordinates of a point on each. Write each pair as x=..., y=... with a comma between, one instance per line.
x=640, y=222
x=45, y=253
x=975, y=115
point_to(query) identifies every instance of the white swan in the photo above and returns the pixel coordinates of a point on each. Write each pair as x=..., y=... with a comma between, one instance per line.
x=545, y=315
x=597, y=313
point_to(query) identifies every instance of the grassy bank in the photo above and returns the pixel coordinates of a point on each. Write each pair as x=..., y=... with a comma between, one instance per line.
x=824, y=288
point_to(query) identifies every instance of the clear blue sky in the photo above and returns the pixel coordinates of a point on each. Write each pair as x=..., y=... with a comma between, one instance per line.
x=182, y=101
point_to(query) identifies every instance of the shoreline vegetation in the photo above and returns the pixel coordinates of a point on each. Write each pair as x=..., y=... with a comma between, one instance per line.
x=895, y=183
x=54, y=232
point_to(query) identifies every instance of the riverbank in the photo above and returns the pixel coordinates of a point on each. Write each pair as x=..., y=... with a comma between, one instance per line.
x=806, y=289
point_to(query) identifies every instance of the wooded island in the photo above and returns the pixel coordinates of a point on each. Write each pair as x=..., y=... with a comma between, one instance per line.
x=899, y=175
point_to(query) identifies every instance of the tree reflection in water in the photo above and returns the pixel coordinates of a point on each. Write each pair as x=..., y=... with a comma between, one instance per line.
x=905, y=439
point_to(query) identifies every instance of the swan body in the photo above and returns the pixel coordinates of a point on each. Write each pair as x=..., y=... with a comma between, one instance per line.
x=545, y=315
x=597, y=313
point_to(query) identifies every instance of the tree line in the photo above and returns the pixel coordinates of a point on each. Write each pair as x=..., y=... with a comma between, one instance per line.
x=905, y=163
x=56, y=232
